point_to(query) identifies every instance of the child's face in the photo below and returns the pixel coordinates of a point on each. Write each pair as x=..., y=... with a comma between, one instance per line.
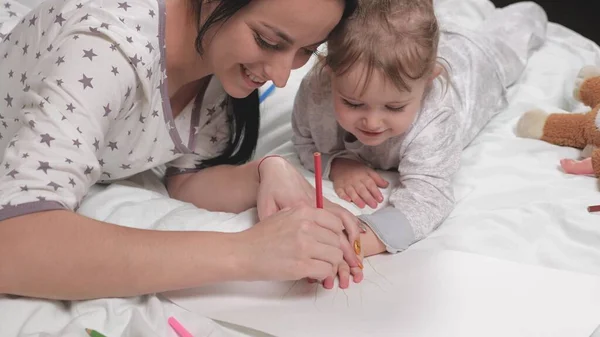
x=381, y=112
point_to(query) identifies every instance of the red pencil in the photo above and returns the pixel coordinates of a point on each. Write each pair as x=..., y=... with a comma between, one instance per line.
x=595, y=208
x=318, y=179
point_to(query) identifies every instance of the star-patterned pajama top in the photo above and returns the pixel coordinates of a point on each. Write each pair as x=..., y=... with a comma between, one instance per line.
x=83, y=99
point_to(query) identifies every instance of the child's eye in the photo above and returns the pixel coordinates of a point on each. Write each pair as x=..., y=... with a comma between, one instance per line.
x=351, y=105
x=396, y=109
x=264, y=44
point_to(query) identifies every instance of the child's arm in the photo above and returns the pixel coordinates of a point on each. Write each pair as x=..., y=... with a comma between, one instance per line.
x=425, y=197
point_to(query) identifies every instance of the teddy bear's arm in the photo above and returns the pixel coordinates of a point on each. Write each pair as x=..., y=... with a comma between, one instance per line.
x=565, y=129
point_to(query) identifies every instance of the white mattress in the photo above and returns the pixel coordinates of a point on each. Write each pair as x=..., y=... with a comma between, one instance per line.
x=514, y=202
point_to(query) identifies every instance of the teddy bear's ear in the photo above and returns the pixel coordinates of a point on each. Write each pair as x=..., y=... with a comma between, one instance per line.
x=586, y=73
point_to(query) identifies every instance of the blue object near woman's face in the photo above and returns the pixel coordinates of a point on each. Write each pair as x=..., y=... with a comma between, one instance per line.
x=267, y=39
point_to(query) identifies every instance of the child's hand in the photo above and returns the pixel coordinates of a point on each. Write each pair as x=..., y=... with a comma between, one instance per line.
x=355, y=182
x=344, y=273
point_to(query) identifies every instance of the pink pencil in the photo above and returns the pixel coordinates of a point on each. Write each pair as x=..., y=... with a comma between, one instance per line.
x=318, y=179
x=179, y=329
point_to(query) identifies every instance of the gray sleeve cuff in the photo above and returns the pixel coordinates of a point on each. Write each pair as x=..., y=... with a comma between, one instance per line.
x=391, y=227
x=327, y=159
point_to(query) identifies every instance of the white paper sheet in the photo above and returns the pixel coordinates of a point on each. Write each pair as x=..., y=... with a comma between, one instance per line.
x=416, y=293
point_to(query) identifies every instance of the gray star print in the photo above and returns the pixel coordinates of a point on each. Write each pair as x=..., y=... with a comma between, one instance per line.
x=150, y=48
x=114, y=71
x=101, y=162
x=12, y=173
x=68, y=161
x=8, y=100
x=124, y=5
x=76, y=143
x=59, y=19
x=72, y=182
x=96, y=144
x=32, y=124
x=54, y=185
x=61, y=59
x=25, y=49
x=88, y=170
x=59, y=82
x=150, y=159
x=70, y=107
x=94, y=30
x=38, y=55
x=107, y=110
x=135, y=60
x=32, y=21
x=151, y=13
x=24, y=188
x=86, y=81
x=25, y=155
x=89, y=54
x=126, y=167
x=23, y=77
x=113, y=146
x=104, y=25
x=46, y=138
x=44, y=166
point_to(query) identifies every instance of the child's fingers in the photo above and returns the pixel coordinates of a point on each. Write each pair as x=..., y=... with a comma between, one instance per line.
x=342, y=194
x=366, y=195
x=373, y=189
x=379, y=181
x=344, y=276
x=357, y=274
x=356, y=199
x=328, y=283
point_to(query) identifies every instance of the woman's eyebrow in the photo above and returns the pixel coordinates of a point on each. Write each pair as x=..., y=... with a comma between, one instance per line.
x=287, y=38
x=279, y=33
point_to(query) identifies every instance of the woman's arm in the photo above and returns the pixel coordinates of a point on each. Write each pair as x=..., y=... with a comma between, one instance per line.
x=222, y=188
x=63, y=255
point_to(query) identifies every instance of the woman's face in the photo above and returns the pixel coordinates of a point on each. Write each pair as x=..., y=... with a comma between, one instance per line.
x=266, y=40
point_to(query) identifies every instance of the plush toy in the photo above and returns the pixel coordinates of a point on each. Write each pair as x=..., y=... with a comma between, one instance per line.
x=578, y=130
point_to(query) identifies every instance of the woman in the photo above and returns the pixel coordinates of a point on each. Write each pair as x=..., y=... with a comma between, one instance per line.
x=86, y=99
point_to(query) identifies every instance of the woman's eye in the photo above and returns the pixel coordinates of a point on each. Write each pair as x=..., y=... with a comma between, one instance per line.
x=264, y=44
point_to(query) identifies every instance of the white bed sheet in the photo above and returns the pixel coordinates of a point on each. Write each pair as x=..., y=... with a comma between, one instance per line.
x=514, y=203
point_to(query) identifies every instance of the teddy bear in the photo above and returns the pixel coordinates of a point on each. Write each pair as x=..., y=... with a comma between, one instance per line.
x=578, y=130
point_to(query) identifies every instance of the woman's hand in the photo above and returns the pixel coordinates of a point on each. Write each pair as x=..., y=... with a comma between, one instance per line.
x=357, y=183
x=282, y=186
x=300, y=242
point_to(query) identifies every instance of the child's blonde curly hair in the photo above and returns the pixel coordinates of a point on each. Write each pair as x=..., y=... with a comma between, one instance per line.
x=397, y=37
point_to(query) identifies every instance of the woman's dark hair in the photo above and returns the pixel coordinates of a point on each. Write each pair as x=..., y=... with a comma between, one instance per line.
x=243, y=113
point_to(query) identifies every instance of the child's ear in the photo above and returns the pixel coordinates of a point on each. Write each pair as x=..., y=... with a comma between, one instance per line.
x=437, y=71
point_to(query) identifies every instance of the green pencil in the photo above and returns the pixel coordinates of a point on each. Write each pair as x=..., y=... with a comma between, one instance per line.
x=94, y=333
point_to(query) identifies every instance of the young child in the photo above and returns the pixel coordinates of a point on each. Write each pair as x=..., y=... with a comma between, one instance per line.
x=396, y=92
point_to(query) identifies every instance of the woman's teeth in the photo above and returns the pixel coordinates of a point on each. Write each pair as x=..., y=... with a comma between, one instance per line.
x=252, y=77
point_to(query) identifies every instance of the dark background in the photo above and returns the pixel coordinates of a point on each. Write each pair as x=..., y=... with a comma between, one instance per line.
x=582, y=16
